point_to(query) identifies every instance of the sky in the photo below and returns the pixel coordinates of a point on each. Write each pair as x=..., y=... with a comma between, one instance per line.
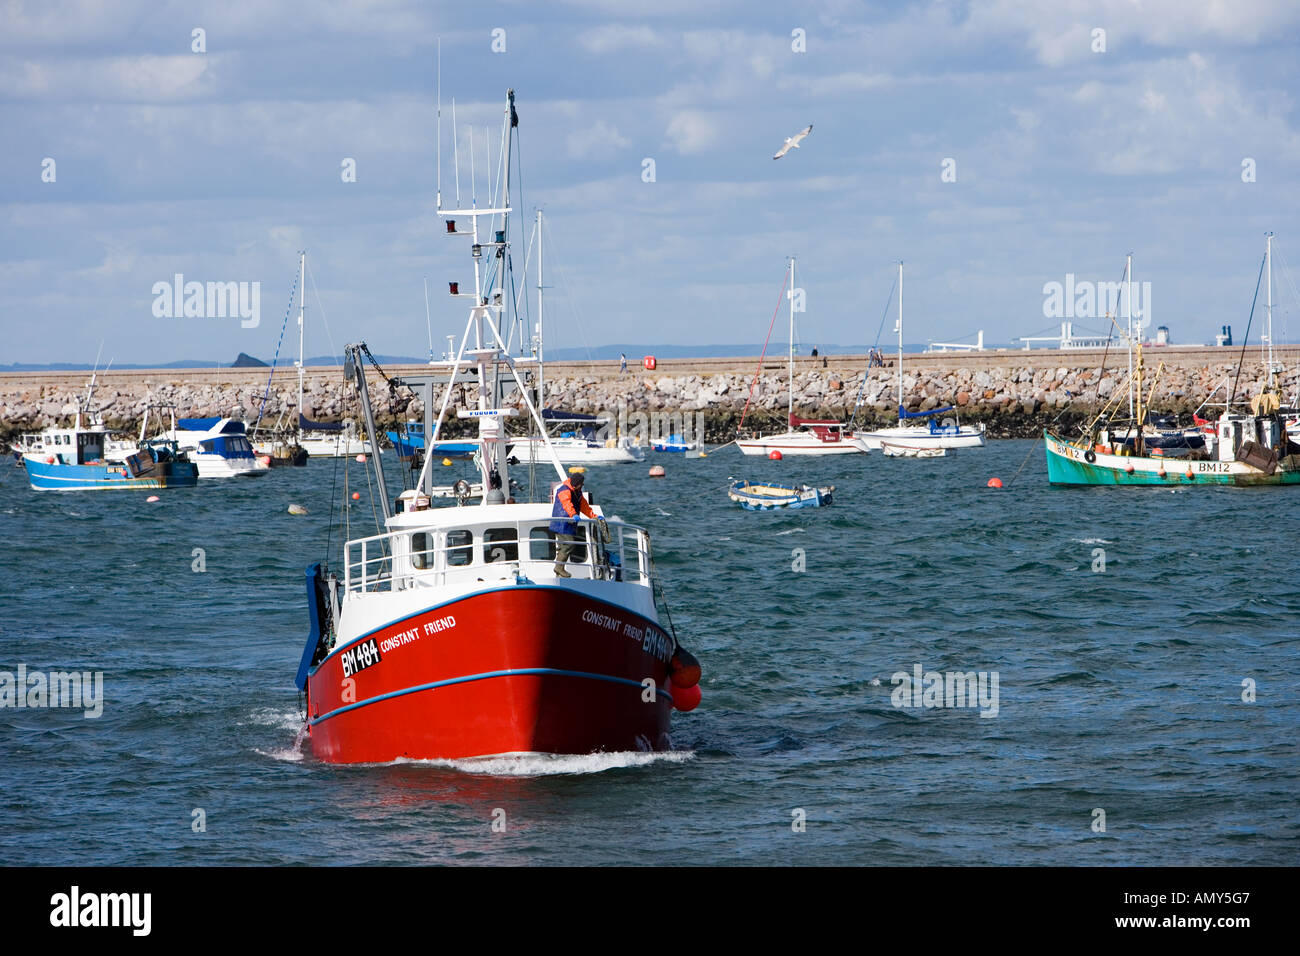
x=994, y=146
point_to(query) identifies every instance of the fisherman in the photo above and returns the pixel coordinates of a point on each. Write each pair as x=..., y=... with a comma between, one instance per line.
x=569, y=502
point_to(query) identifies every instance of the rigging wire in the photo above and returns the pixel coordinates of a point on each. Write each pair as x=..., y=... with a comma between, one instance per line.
x=874, y=348
x=293, y=291
x=785, y=280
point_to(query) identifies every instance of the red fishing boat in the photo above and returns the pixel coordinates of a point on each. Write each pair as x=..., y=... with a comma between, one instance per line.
x=461, y=630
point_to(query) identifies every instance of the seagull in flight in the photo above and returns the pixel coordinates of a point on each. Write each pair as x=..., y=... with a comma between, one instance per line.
x=792, y=142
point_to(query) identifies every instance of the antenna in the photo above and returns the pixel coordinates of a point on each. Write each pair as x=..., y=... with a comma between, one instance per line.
x=426, y=281
x=455, y=150
x=428, y=320
x=473, y=190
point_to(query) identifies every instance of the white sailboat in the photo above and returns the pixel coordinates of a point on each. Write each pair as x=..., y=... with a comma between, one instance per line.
x=910, y=440
x=585, y=440
x=804, y=436
x=317, y=439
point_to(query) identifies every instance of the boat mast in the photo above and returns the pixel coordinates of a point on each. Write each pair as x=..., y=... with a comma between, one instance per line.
x=1128, y=308
x=789, y=415
x=541, y=398
x=302, y=308
x=1268, y=267
x=900, y=340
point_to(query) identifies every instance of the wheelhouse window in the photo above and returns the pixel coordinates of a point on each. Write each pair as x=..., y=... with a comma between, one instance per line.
x=421, y=550
x=500, y=544
x=460, y=548
x=541, y=544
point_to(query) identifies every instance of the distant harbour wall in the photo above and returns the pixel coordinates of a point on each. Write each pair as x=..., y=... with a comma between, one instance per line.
x=1014, y=393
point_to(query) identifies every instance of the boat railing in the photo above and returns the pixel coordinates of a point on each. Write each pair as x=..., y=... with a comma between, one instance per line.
x=490, y=551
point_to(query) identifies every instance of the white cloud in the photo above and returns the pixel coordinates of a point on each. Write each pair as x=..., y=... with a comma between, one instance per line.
x=692, y=131
x=600, y=139
x=615, y=36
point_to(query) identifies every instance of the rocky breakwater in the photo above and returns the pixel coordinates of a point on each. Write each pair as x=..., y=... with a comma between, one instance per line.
x=1013, y=397
x=1013, y=402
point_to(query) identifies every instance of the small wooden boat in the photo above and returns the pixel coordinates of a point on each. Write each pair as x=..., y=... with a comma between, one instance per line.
x=767, y=497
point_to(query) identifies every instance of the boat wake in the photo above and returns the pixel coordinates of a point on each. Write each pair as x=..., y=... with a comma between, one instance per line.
x=542, y=765
x=791, y=531
x=280, y=720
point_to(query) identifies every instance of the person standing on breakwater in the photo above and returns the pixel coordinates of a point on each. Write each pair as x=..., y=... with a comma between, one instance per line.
x=622, y=363
x=568, y=504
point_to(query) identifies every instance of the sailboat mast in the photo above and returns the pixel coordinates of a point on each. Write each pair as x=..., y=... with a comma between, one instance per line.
x=541, y=380
x=1128, y=309
x=302, y=308
x=900, y=339
x=1268, y=266
x=789, y=416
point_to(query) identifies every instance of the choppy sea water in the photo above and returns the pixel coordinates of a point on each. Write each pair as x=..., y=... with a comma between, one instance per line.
x=1119, y=690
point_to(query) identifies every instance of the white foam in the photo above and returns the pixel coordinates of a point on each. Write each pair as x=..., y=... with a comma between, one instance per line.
x=271, y=717
x=1093, y=541
x=791, y=531
x=541, y=765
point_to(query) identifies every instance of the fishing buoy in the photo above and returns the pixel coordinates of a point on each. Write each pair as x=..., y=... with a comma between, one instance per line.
x=1190, y=476
x=49, y=459
x=703, y=455
x=296, y=509
x=657, y=471
x=995, y=483
x=1162, y=473
x=151, y=499
x=577, y=470
x=1128, y=469
x=686, y=699
x=446, y=461
x=356, y=496
x=265, y=460
x=775, y=455
x=684, y=669
x=648, y=363
x=361, y=459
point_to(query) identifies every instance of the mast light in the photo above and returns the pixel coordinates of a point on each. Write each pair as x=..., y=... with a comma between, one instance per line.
x=455, y=287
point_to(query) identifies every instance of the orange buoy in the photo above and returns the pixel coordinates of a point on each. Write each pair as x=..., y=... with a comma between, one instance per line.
x=686, y=699
x=775, y=454
x=151, y=498
x=265, y=460
x=684, y=668
x=356, y=496
x=1190, y=475
x=1128, y=469
x=995, y=483
x=1162, y=473
x=361, y=459
x=657, y=471
x=648, y=363
x=49, y=459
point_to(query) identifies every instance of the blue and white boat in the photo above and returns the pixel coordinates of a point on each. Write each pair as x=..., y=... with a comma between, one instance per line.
x=410, y=443
x=219, y=446
x=675, y=444
x=764, y=496
x=72, y=459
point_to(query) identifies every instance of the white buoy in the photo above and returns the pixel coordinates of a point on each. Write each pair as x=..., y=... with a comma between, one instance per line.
x=657, y=471
x=296, y=509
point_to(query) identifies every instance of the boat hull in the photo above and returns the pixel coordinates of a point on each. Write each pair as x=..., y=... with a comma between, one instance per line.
x=788, y=445
x=44, y=476
x=922, y=438
x=542, y=669
x=1068, y=465
x=774, y=497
